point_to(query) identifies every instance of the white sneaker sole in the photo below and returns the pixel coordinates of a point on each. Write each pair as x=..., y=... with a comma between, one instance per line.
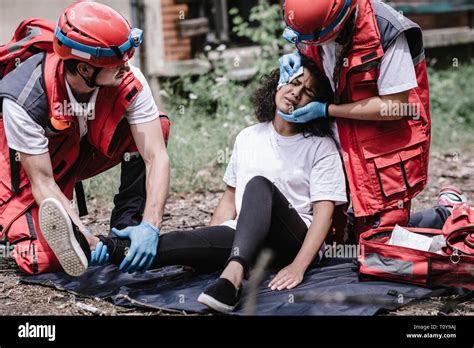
x=214, y=304
x=56, y=228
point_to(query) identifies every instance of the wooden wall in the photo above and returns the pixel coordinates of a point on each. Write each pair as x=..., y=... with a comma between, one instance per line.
x=436, y=21
x=175, y=46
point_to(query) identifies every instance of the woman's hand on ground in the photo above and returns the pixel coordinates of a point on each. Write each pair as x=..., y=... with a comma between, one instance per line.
x=288, y=278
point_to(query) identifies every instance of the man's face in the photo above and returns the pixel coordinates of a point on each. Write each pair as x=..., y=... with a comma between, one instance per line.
x=112, y=77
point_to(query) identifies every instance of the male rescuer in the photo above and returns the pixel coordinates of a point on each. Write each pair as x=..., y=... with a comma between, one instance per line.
x=69, y=113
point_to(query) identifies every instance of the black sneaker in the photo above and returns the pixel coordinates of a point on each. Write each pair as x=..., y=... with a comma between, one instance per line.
x=64, y=238
x=221, y=296
x=116, y=247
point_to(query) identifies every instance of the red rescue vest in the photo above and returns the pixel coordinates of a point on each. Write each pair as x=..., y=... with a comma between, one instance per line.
x=386, y=162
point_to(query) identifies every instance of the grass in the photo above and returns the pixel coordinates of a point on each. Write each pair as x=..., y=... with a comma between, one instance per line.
x=452, y=107
x=199, y=150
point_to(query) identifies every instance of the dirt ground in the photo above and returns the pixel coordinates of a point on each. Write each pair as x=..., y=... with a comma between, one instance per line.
x=194, y=210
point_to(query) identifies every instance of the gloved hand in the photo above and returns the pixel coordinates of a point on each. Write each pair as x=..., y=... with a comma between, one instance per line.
x=142, y=252
x=289, y=64
x=100, y=255
x=309, y=112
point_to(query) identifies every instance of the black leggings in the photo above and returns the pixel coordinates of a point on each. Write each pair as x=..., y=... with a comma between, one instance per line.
x=266, y=219
x=430, y=218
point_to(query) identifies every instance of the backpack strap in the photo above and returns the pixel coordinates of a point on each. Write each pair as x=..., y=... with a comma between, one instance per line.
x=81, y=199
x=14, y=172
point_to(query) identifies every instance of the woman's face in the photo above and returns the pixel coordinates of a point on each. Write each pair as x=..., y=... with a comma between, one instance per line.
x=297, y=93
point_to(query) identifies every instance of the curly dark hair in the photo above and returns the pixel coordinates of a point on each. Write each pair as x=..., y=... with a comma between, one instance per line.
x=265, y=107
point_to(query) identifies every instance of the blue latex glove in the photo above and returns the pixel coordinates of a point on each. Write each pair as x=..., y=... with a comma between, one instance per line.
x=309, y=112
x=142, y=252
x=100, y=255
x=289, y=64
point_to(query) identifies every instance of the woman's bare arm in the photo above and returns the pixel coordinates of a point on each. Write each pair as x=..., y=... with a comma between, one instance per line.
x=293, y=274
x=226, y=208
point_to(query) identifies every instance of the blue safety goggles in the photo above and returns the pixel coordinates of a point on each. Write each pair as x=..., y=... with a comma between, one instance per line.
x=296, y=38
x=134, y=40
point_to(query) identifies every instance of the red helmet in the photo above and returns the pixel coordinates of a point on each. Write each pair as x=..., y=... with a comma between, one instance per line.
x=315, y=22
x=96, y=34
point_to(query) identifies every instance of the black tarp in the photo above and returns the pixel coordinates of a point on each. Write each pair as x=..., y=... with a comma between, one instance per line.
x=175, y=288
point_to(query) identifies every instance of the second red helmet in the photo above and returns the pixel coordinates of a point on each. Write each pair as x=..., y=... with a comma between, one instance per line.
x=316, y=22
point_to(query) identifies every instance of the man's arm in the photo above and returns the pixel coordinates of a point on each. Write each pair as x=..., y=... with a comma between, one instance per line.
x=39, y=170
x=379, y=108
x=225, y=210
x=151, y=145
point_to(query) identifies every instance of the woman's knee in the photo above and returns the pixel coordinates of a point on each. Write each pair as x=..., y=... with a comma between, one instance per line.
x=259, y=182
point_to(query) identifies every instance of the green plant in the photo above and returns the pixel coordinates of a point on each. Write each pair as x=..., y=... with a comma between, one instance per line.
x=201, y=133
x=452, y=106
x=265, y=27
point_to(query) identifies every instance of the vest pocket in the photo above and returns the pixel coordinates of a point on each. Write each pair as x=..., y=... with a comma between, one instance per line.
x=412, y=164
x=400, y=171
x=5, y=193
x=23, y=228
x=390, y=174
x=364, y=85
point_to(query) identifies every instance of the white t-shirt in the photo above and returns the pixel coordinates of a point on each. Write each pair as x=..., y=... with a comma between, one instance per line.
x=25, y=135
x=397, y=73
x=304, y=169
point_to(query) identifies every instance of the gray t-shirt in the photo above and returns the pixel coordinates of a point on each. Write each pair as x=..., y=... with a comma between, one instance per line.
x=397, y=73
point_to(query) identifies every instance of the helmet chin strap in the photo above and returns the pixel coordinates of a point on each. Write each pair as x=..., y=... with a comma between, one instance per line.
x=91, y=83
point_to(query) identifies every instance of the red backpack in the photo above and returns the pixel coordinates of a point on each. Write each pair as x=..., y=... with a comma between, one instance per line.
x=32, y=36
x=454, y=266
